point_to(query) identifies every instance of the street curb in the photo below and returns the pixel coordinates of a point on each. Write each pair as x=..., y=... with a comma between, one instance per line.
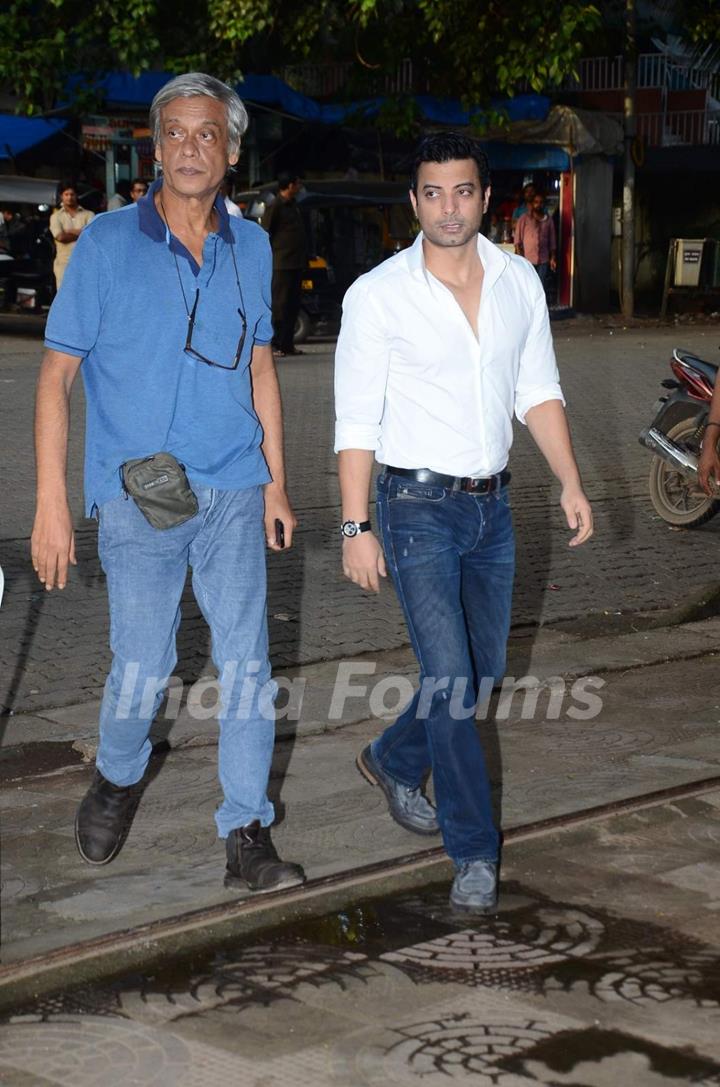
x=142, y=947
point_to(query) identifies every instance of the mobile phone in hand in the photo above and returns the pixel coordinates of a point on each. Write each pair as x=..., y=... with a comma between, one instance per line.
x=279, y=532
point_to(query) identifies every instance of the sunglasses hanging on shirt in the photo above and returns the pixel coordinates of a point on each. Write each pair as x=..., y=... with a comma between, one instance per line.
x=191, y=313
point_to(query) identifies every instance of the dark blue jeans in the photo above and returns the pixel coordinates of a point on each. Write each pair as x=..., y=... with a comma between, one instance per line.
x=452, y=558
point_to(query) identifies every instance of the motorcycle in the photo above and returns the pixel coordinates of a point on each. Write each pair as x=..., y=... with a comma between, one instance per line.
x=675, y=436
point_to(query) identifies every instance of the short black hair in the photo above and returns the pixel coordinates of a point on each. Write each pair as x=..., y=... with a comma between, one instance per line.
x=66, y=185
x=139, y=181
x=285, y=179
x=449, y=147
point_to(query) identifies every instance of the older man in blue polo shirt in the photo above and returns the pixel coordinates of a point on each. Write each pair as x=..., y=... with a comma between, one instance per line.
x=165, y=311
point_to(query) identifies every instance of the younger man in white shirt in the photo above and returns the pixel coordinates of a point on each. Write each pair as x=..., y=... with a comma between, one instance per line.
x=438, y=347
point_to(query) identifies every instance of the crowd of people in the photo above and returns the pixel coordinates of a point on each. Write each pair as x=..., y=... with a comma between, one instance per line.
x=527, y=225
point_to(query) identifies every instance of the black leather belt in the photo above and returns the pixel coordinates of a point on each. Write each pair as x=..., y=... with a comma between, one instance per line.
x=453, y=483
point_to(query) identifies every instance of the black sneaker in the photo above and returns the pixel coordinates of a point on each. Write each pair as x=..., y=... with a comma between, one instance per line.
x=104, y=818
x=252, y=861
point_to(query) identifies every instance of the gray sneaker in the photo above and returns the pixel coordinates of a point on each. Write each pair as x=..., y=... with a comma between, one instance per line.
x=474, y=888
x=408, y=807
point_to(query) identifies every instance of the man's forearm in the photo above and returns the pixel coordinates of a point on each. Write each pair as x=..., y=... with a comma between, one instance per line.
x=268, y=407
x=355, y=468
x=549, y=428
x=52, y=423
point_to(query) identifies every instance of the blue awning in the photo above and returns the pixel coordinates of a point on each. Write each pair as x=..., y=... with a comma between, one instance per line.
x=526, y=156
x=122, y=89
x=18, y=134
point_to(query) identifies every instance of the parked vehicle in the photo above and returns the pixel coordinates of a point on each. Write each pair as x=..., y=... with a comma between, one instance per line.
x=675, y=436
x=352, y=226
x=27, y=283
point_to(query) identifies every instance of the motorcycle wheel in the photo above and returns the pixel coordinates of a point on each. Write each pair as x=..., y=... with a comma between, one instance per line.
x=678, y=500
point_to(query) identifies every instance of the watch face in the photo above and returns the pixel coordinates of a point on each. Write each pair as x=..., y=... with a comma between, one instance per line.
x=349, y=528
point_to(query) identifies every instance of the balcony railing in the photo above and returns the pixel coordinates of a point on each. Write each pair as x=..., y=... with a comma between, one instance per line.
x=654, y=71
x=681, y=128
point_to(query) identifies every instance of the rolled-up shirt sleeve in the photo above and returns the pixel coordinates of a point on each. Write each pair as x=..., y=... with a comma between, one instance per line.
x=361, y=371
x=538, y=378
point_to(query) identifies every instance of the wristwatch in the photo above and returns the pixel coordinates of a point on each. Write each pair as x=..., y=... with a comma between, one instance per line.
x=354, y=528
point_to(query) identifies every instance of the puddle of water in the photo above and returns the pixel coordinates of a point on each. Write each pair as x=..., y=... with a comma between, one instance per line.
x=533, y=945
x=35, y=759
x=566, y=1052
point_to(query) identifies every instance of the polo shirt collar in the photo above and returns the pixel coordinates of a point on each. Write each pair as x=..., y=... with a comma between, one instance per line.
x=152, y=224
x=494, y=260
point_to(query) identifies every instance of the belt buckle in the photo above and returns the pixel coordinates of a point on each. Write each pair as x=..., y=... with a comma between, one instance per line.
x=478, y=486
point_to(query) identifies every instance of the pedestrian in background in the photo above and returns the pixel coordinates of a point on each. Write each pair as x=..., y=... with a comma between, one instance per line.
x=427, y=381
x=284, y=223
x=167, y=313
x=535, y=239
x=13, y=233
x=66, y=225
x=526, y=198
x=121, y=197
x=138, y=189
x=226, y=194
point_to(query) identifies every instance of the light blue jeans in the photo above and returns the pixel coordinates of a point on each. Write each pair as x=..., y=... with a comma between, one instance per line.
x=146, y=569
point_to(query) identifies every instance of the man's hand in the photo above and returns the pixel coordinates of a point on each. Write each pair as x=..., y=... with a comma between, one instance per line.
x=277, y=508
x=578, y=513
x=363, y=561
x=52, y=545
x=553, y=264
x=709, y=463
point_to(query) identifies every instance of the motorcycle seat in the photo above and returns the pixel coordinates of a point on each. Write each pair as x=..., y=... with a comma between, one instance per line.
x=707, y=369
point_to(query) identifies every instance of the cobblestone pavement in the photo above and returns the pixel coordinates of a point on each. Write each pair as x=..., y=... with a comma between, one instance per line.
x=53, y=647
x=569, y=983
x=551, y=751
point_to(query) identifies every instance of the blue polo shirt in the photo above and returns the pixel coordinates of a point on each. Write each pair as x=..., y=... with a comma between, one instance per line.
x=121, y=309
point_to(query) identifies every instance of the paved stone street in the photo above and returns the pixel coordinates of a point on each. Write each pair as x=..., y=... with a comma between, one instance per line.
x=569, y=983
x=601, y=965
x=53, y=647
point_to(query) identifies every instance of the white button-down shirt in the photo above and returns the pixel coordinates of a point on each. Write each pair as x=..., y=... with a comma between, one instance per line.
x=414, y=383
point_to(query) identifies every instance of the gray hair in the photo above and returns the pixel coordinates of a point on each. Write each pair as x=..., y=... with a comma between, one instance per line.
x=193, y=85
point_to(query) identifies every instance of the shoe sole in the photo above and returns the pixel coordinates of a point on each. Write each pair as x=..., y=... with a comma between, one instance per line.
x=234, y=882
x=369, y=776
x=468, y=909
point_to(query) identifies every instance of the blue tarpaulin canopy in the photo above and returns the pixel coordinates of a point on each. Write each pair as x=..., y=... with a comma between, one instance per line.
x=18, y=134
x=123, y=89
x=526, y=156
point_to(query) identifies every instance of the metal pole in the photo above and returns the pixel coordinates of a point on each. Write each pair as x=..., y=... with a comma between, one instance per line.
x=628, y=223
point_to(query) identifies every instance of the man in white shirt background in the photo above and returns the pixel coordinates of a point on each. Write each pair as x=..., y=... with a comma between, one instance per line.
x=439, y=346
x=66, y=225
